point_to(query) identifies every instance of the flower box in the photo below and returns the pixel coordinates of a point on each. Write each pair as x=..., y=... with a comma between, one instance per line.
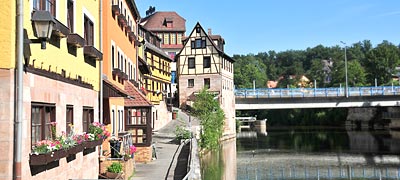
x=75, y=149
x=43, y=159
x=56, y=155
x=38, y=159
x=92, y=144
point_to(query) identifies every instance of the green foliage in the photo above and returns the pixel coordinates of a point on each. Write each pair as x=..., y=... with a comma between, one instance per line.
x=365, y=63
x=238, y=123
x=115, y=167
x=182, y=133
x=211, y=117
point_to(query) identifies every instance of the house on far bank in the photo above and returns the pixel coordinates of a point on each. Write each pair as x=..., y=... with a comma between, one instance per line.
x=170, y=27
x=202, y=63
x=157, y=82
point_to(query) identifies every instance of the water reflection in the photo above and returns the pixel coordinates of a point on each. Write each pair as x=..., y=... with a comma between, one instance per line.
x=307, y=153
x=220, y=164
x=313, y=153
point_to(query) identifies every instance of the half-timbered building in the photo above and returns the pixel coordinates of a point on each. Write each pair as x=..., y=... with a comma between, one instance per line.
x=202, y=63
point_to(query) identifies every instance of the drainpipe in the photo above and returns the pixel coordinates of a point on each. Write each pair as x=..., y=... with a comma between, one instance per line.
x=101, y=67
x=19, y=95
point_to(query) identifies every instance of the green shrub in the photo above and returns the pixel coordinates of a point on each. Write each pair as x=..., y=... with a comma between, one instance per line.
x=207, y=109
x=115, y=167
x=182, y=133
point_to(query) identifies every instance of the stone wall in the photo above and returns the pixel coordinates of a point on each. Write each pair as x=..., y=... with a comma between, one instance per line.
x=6, y=123
x=163, y=116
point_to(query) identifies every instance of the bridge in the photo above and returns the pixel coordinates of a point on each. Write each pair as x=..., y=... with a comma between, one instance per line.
x=293, y=98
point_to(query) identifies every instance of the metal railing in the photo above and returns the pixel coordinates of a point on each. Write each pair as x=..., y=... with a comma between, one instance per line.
x=126, y=141
x=312, y=172
x=316, y=92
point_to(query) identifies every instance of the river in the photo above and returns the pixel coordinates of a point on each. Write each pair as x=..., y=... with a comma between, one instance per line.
x=306, y=153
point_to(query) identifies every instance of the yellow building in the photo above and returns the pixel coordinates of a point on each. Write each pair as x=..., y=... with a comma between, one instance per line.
x=60, y=84
x=157, y=83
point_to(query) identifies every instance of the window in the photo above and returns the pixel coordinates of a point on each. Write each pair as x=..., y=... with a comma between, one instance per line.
x=160, y=35
x=190, y=82
x=120, y=64
x=173, y=38
x=169, y=24
x=166, y=38
x=87, y=118
x=112, y=56
x=198, y=43
x=121, y=120
x=45, y=5
x=207, y=83
x=198, y=30
x=179, y=39
x=70, y=15
x=172, y=55
x=41, y=117
x=113, y=122
x=118, y=60
x=88, y=31
x=191, y=63
x=69, y=118
x=206, y=62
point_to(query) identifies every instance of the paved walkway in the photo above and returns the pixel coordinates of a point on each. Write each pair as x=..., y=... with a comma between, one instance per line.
x=167, y=150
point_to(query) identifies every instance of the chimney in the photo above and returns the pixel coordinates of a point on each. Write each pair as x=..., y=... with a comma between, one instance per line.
x=209, y=31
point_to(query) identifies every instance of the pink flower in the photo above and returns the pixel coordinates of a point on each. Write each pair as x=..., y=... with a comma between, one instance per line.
x=53, y=123
x=132, y=149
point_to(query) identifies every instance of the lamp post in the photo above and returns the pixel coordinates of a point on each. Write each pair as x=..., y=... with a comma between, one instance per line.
x=345, y=67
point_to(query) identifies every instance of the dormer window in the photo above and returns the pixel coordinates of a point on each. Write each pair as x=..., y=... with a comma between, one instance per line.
x=45, y=5
x=168, y=23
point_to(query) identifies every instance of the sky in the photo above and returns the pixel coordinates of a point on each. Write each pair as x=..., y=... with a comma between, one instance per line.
x=255, y=26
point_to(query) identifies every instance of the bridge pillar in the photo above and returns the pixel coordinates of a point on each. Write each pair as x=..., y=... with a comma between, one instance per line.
x=261, y=126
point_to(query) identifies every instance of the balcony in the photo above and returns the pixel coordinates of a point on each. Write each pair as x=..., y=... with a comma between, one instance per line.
x=132, y=37
x=91, y=51
x=60, y=29
x=119, y=73
x=143, y=66
x=128, y=29
x=136, y=84
x=75, y=40
x=115, y=10
x=122, y=20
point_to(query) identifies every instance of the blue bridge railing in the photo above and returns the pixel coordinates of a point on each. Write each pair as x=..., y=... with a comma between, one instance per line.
x=316, y=92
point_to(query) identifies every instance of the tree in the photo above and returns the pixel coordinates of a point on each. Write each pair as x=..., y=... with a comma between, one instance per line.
x=211, y=117
x=381, y=63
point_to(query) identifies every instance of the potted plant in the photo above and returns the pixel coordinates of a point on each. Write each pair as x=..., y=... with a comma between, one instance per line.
x=114, y=170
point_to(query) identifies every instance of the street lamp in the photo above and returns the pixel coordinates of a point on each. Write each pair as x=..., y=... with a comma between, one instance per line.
x=42, y=22
x=345, y=67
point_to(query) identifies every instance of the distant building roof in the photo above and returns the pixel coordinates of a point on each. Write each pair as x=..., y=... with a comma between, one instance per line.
x=157, y=22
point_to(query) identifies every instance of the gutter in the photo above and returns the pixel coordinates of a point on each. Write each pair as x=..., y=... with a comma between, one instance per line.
x=19, y=91
x=101, y=67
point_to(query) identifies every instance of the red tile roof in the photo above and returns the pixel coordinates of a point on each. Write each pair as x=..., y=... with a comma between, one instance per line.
x=138, y=99
x=115, y=88
x=156, y=22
